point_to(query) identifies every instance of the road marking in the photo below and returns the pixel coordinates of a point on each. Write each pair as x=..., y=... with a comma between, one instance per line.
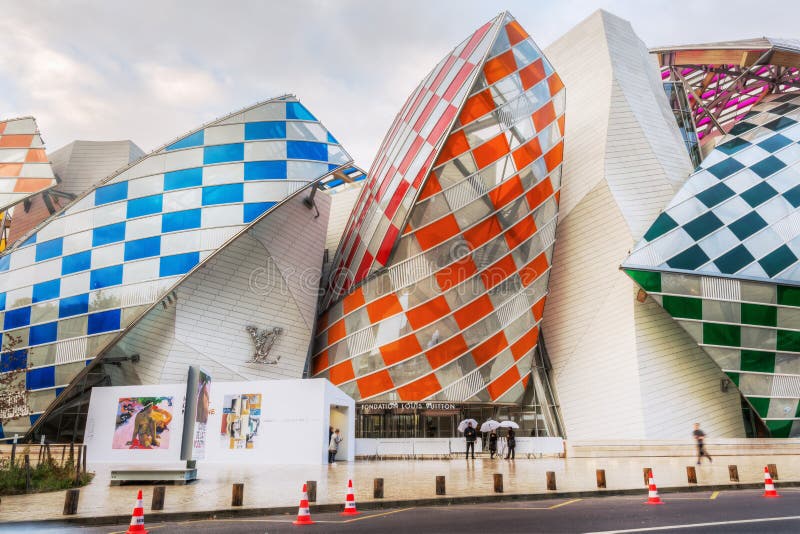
x=667, y=497
x=456, y=508
x=375, y=515
x=370, y=516
x=563, y=504
x=148, y=529
x=698, y=525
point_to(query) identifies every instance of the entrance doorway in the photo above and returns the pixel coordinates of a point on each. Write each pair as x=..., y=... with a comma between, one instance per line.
x=338, y=419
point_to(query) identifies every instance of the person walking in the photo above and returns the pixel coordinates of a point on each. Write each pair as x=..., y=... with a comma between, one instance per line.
x=492, y=444
x=512, y=443
x=470, y=435
x=698, y=437
x=333, y=446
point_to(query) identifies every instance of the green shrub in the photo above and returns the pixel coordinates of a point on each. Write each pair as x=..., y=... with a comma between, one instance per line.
x=47, y=476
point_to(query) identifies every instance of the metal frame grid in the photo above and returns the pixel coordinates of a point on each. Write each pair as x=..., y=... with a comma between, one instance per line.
x=112, y=254
x=722, y=81
x=454, y=314
x=723, y=259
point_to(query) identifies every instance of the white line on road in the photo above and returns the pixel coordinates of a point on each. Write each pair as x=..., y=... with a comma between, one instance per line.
x=698, y=525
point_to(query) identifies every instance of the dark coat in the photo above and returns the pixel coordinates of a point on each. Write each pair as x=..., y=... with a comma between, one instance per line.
x=470, y=434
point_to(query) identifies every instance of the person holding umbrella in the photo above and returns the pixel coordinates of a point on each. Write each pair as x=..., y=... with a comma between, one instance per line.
x=511, y=440
x=492, y=444
x=467, y=427
x=470, y=434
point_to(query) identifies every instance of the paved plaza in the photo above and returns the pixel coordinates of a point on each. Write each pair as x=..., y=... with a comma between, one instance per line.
x=279, y=486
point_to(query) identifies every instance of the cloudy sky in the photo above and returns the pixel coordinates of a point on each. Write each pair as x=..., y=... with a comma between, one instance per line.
x=152, y=70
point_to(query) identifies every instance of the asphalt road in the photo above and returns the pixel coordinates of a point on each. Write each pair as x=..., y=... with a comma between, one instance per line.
x=727, y=511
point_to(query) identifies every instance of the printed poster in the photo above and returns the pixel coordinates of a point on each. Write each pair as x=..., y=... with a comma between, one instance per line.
x=143, y=423
x=241, y=418
x=201, y=415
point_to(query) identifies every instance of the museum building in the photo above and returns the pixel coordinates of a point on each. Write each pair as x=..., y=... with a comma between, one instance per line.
x=595, y=240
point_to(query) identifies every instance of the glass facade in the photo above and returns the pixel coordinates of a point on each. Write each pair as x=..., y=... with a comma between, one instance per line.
x=81, y=278
x=676, y=96
x=724, y=260
x=443, y=293
x=24, y=168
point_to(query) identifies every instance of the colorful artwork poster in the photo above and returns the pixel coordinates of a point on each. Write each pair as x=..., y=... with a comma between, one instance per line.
x=143, y=423
x=201, y=415
x=241, y=418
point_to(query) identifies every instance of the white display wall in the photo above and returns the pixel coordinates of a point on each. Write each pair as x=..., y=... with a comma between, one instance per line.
x=264, y=422
x=108, y=441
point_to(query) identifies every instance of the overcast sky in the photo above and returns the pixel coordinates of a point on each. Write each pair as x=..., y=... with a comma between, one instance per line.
x=152, y=70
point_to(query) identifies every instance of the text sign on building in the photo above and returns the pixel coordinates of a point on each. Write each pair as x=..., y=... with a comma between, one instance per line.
x=380, y=406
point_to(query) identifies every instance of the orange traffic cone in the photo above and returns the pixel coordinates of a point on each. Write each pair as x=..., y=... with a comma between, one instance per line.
x=652, y=493
x=350, y=501
x=137, y=519
x=303, y=513
x=769, y=487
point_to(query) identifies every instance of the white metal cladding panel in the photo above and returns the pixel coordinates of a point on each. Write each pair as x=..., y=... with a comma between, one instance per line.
x=588, y=323
x=295, y=240
x=342, y=203
x=81, y=164
x=581, y=59
x=785, y=386
x=406, y=273
x=789, y=227
x=639, y=78
x=615, y=176
x=239, y=287
x=511, y=310
x=216, y=305
x=152, y=339
x=634, y=173
x=680, y=383
x=721, y=288
x=71, y=350
x=144, y=293
x=464, y=388
x=360, y=342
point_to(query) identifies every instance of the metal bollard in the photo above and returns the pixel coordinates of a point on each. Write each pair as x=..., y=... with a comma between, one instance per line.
x=377, y=488
x=312, y=490
x=773, y=471
x=237, y=496
x=733, y=472
x=440, y=488
x=691, y=474
x=601, y=478
x=159, y=492
x=551, y=480
x=498, y=482
x=71, y=501
x=646, y=471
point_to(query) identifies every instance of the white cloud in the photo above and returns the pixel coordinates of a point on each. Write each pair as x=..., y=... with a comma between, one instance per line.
x=152, y=70
x=177, y=86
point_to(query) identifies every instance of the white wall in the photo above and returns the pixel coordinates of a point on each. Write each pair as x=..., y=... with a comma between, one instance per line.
x=294, y=420
x=100, y=425
x=621, y=369
x=267, y=277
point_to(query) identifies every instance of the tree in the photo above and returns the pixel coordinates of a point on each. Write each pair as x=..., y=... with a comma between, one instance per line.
x=13, y=394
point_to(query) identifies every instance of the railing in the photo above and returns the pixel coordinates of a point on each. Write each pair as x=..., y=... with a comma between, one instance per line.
x=60, y=454
x=448, y=447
